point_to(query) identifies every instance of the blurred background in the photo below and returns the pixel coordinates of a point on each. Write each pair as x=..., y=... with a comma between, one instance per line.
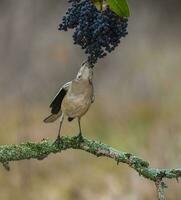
x=137, y=107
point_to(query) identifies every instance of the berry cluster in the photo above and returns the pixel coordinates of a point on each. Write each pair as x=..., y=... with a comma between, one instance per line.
x=97, y=32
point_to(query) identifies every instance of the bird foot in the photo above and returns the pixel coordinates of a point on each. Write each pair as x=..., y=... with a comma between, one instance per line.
x=80, y=138
x=57, y=141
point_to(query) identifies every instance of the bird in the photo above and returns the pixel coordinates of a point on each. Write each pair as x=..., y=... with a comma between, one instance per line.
x=73, y=99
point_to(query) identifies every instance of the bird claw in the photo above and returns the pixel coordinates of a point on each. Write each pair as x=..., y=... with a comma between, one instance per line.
x=80, y=138
x=57, y=141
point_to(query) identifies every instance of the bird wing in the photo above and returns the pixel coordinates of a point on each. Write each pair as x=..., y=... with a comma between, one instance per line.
x=57, y=101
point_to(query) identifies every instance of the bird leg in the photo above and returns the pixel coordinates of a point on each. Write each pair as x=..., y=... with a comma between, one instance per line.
x=58, y=140
x=80, y=131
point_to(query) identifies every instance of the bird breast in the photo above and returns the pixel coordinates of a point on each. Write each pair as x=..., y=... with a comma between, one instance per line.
x=78, y=99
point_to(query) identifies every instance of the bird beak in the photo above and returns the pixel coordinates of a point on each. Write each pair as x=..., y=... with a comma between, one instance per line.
x=84, y=62
x=89, y=65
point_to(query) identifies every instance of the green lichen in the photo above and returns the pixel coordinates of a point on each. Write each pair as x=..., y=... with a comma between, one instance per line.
x=35, y=150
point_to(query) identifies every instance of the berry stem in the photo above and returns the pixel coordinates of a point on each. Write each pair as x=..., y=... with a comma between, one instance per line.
x=101, y=5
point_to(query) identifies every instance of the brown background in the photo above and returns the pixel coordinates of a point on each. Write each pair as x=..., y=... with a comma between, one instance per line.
x=137, y=107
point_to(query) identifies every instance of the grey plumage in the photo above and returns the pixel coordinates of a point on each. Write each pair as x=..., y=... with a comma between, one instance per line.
x=74, y=98
x=51, y=118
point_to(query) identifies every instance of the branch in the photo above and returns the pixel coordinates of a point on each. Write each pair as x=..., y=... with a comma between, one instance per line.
x=41, y=150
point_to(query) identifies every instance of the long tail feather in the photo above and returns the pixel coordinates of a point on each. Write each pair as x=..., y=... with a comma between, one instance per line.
x=51, y=118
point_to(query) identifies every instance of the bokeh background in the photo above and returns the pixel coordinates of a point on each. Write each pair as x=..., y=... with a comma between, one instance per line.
x=137, y=107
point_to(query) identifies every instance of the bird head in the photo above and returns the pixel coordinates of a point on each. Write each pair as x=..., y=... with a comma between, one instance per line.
x=85, y=72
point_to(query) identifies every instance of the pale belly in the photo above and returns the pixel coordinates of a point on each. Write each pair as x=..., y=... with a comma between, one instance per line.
x=76, y=106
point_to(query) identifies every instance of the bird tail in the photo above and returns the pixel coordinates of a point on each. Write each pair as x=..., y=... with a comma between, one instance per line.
x=51, y=118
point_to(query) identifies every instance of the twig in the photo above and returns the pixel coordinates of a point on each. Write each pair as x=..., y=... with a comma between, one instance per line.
x=160, y=186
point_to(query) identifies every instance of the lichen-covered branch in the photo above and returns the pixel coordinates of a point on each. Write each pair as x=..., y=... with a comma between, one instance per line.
x=35, y=150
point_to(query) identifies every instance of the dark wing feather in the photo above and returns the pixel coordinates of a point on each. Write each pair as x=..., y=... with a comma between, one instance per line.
x=57, y=101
